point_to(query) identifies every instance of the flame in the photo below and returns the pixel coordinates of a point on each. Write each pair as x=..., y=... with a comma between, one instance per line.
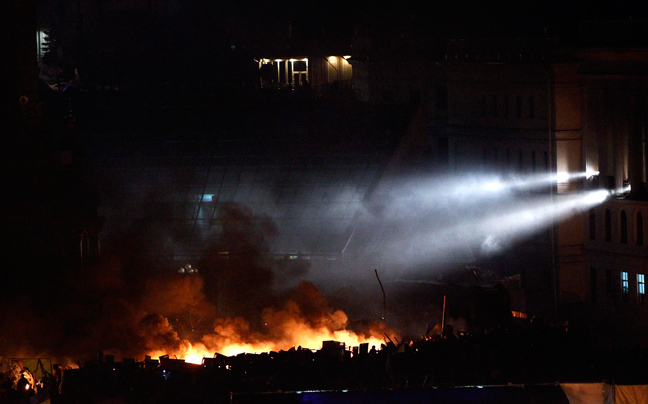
x=304, y=320
x=285, y=329
x=307, y=338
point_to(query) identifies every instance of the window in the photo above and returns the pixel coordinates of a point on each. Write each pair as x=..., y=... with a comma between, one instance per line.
x=608, y=225
x=625, y=286
x=593, y=283
x=300, y=66
x=531, y=107
x=41, y=44
x=624, y=227
x=608, y=282
x=641, y=288
x=592, y=224
x=639, y=235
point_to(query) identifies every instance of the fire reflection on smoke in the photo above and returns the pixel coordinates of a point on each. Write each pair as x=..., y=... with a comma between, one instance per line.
x=283, y=328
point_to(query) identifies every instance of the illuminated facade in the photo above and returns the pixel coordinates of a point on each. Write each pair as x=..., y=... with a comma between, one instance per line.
x=503, y=106
x=318, y=73
x=615, y=99
x=537, y=107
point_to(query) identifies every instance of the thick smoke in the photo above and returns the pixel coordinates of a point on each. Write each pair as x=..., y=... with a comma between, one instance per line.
x=123, y=307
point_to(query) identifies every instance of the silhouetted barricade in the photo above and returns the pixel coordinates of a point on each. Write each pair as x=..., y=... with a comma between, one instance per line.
x=526, y=353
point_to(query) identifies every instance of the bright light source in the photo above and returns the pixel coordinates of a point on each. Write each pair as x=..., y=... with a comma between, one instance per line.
x=187, y=269
x=494, y=186
x=596, y=197
x=562, y=177
x=195, y=359
x=590, y=174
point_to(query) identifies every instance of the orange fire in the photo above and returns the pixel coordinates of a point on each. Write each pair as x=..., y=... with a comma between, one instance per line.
x=294, y=332
x=299, y=322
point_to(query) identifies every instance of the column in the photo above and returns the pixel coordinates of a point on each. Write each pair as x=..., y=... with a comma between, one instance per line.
x=636, y=173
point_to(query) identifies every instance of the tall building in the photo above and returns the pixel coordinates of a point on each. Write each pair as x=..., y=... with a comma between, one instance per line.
x=445, y=103
x=574, y=110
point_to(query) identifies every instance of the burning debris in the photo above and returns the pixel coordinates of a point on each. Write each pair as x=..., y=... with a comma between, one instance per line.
x=121, y=307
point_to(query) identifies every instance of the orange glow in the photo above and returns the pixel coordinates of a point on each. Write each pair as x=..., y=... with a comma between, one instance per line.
x=303, y=336
x=285, y=329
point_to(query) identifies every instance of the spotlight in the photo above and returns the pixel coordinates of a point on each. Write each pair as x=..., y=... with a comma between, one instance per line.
x=493, y=186
x=562, y=177
x=596, y=197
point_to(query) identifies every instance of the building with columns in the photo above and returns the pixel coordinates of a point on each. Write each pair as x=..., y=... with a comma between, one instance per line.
x=520, y=106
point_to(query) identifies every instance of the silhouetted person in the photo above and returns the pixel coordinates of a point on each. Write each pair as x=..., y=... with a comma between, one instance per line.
x=448, y=332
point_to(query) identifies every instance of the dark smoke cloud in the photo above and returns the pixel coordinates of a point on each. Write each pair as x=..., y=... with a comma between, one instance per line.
x=123, y=306
x=243, y=283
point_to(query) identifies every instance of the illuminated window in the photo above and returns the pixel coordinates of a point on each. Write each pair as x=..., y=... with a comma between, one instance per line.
x=41, y=44
x=625, y=286
x=639, y=234
x=641, y=288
